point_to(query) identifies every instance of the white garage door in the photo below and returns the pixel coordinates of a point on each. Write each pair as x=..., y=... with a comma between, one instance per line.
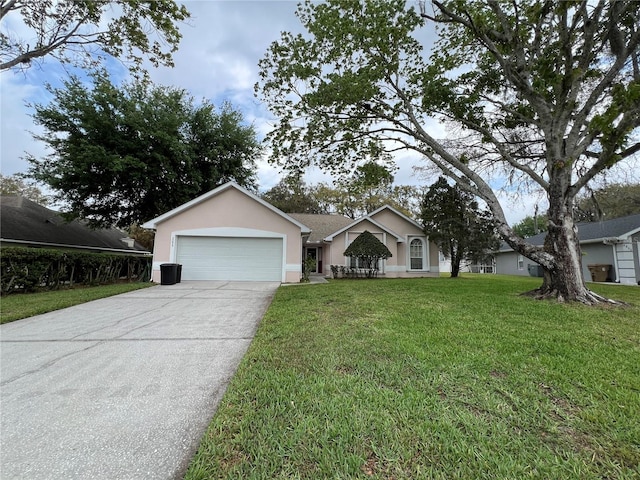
x=230, y=258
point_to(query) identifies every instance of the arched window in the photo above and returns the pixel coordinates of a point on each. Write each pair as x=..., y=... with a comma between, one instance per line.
x=416, y=254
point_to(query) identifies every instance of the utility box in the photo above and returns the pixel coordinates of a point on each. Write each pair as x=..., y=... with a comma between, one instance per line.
x=600, y=272
x=535, y=270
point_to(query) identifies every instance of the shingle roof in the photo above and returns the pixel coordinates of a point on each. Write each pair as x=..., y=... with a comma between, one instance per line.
x=321, y=225
x=25, y=221
x=593, y=231
x=616, y=227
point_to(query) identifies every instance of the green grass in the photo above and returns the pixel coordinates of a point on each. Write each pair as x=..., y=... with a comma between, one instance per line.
x=432, y=378
x=23, y=305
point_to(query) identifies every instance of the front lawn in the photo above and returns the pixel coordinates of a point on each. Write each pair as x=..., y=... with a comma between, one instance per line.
x=23, y=305
x=432, y=378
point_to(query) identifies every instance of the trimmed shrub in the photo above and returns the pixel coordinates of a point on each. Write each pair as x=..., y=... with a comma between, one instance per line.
x=31, y=269
x=368, y=250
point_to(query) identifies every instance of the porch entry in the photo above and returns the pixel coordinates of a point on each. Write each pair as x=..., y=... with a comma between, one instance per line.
x=316, y=254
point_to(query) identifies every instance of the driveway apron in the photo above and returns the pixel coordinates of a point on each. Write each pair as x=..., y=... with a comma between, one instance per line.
x=123, y=387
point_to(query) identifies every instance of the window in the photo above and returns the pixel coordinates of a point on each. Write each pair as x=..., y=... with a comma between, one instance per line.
x=416, y=254
x=520, y=262
x=355, y=262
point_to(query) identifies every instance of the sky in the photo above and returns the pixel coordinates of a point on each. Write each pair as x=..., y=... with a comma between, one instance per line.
x=217, y=60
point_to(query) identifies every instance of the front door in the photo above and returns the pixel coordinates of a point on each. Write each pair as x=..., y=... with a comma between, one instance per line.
x=312, y=253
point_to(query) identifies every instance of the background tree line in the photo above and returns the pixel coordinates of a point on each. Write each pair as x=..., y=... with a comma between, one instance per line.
x=605, y=203
x=368, y=188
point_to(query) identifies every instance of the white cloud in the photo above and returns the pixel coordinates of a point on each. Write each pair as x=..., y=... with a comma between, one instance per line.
x=15, y=123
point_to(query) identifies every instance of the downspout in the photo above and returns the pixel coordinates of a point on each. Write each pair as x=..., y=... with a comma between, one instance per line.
x=637, y=260
x=615, y=261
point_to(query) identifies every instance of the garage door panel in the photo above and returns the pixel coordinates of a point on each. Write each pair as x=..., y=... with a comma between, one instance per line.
x=230, y=258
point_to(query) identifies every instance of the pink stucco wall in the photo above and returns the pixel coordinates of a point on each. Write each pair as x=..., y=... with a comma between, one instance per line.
x=229, y=209
x=400, y=226
x=396, y=266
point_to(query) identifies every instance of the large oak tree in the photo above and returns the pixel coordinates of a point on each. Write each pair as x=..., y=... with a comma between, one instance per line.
x=293, y=195
x=121, y=155
x=82, y=32
x=540, y=91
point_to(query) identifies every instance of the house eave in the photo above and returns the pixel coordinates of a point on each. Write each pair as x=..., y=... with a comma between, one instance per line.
x=78, y=247
x=591, y=241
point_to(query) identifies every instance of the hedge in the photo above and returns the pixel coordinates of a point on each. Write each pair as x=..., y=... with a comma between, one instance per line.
x=31, y=269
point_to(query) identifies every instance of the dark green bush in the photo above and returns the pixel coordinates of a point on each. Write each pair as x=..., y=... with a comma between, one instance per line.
x=31, y=269
x=368, y=251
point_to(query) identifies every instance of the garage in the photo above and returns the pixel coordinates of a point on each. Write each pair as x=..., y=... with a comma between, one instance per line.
x=230, y=258
x=229, y=233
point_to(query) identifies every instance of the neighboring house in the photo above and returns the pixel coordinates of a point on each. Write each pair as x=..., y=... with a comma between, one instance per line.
x=24, y=223
x=612, y=244
x=489, y=266
x=231, y=234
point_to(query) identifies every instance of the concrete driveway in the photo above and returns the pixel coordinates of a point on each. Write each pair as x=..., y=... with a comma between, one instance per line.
x=123, y=387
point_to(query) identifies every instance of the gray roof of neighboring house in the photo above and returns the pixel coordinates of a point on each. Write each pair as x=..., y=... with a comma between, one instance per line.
x=321, y=225
x=616, y=227
x=25, y=222
x=593, y=231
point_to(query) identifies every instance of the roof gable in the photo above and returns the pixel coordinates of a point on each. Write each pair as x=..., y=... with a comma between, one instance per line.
x=367, y=218
x=398, y=213
x=152, y=224
x=617, y=227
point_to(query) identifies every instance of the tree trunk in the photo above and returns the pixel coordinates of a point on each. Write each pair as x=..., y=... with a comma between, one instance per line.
x=563, y=277
x=455, y=263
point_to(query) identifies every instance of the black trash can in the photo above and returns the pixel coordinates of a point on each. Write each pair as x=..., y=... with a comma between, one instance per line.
x=179, y=273
x=168, y=273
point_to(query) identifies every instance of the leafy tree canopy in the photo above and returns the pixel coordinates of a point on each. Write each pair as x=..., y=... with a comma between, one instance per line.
x=341, y=200
x=453, y=220
x=612, y=201
x=292, y=195
x=81, y=32
x=143, y=236
x=536, y=92
x=531, y=225
x=123, y=155
x=368, y=188
x=17, y=185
